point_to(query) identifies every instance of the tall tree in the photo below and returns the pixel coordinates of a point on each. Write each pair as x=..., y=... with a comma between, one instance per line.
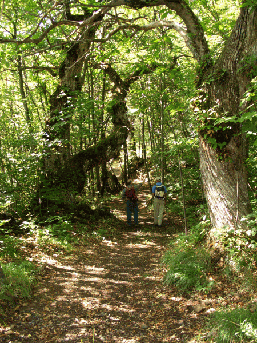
x=222, y=80
x=223, y=83
x=223, y=149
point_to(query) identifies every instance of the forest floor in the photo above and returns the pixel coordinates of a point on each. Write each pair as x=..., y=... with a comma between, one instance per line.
x=110, y=290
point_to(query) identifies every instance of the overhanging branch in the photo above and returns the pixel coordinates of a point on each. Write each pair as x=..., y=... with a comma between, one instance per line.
x=87, y=23
x=51, y=70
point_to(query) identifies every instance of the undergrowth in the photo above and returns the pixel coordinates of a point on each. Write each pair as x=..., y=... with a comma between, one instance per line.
x=240, y=246
x=56, y=234
x=239, y=251
x=237, y=325
x=188, y=263
x=20, y=277
x=19, y=274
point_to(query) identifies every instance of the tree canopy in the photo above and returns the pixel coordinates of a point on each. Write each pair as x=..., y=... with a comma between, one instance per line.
x=81, y=79
x=96, y=92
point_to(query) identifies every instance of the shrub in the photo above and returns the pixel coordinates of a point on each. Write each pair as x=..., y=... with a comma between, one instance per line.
x=9, y=247
x=188, y=269
x=240, y=246
x=49, y=239
x=19, y=279
x=199, y=232
x=238, y=325
x=188, y=264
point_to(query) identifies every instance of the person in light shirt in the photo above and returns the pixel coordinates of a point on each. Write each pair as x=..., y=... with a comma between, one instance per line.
x=159, y=192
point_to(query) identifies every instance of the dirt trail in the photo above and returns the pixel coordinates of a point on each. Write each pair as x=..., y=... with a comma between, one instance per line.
x=170, y=224
x=108, y=291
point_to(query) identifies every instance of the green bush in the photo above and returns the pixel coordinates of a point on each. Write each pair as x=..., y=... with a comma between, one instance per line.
x=188, y=264
x=199, y=232
x=48, y=238
x=19, y=280
x=9, y=247
x=59, y=233
x=187, y=269
x=62, y=230
x=239, y=325
x=240, y=246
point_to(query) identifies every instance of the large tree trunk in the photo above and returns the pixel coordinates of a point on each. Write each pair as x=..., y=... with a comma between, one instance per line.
x=65, y=174
x=223, y=145
x=225, y=184
x=62, y=103
x=62, y=174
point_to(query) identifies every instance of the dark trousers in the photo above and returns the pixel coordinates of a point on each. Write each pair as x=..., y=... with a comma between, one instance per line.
x=132, y=207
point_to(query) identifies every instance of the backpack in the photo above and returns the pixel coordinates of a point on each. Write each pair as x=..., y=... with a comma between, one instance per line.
x=131, y=194
x=159, y=191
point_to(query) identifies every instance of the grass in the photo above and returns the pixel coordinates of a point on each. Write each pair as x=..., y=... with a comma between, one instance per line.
x=188, y=270
x=188, y=263
x=238, y=325
x=9, y=247
x=20, y=277
x=57, y=237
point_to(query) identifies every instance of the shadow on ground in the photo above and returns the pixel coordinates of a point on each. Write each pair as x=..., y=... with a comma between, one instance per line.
x=106, y=291
x=109, y=292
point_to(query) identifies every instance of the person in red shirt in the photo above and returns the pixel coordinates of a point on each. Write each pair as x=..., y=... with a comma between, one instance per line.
x=130, y=194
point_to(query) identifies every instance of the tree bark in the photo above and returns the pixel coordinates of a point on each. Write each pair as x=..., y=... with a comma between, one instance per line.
x=222, y=83
x=225, y=185
x=22, y=91
x=223, y=168
x=125, y=163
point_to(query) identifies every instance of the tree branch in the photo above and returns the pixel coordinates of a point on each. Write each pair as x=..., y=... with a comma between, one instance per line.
x=51, y=70
x=88, y=22
x=193, y=34
x=194, y=30
x=151, y=26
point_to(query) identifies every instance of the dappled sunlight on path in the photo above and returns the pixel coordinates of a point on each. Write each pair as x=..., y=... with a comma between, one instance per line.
x=107, y=290
x=110, y=291
x=118, y=208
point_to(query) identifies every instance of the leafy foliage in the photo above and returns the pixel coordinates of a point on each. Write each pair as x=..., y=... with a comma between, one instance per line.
x=188, y=264
x=20, y=277
x=9, y=247
x=188, y=269
x=238, y=325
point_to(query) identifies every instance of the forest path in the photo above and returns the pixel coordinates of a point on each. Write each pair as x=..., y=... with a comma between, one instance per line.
x=108, y=290
x=146, y=215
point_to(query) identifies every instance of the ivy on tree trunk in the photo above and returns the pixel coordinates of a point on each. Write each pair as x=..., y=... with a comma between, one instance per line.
x=222, y=82
x=223, y=148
